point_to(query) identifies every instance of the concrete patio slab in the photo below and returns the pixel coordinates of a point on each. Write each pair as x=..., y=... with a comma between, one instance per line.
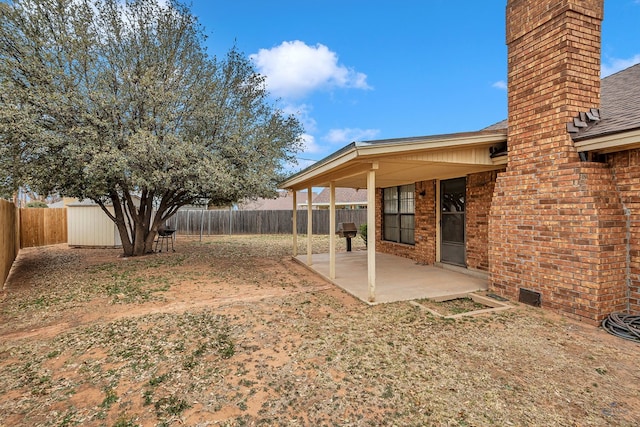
x=397, y=278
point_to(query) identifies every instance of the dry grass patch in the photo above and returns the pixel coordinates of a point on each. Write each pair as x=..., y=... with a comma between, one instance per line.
x=452, y=306
x=234, y=333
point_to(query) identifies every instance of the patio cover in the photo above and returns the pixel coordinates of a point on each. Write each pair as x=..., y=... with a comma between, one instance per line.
x=388, y=163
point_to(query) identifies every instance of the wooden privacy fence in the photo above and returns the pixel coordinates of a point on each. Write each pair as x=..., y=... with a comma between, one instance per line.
x=42, y=226
x=10, y=242
x=194, y=222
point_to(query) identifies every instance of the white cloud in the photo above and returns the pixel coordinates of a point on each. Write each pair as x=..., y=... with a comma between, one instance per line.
x=303, y=113
x=303, y=163
x=295, y=69
x=500, y=84
x=347, y=135
x=613, y=65
x=309, y=144
x=311, y=147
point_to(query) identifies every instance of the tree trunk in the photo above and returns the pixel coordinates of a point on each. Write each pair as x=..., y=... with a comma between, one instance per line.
x=136, y=239
x=139, y=241
x=127, y=246
x=137, y=226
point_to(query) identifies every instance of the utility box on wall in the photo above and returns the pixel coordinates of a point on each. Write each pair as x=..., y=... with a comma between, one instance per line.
x=89, y=226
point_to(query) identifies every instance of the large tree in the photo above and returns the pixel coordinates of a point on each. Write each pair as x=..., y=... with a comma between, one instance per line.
x=118, y=101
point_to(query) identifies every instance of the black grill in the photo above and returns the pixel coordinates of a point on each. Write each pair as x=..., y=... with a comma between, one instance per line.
x=164, y=235
x=166, y=232
x=347, y=230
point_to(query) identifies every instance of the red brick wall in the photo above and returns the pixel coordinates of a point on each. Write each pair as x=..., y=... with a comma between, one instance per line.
x=556, y=225
x=553, y=74
x=479, y=192
x=562, y=234
x=478, y=202
x=424, y=250
x=626, y=169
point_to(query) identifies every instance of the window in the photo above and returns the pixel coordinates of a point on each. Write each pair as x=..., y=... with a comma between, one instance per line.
x=398, y=204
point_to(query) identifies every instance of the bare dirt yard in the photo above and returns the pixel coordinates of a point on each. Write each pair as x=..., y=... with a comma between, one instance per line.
x=231, y=332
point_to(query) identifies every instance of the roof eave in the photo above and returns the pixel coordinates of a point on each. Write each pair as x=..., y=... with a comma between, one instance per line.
x=431, y=143
x=372, y=149
x=340, y=157
x=610, y=143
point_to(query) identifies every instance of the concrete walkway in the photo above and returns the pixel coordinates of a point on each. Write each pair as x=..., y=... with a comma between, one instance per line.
x=397, y=278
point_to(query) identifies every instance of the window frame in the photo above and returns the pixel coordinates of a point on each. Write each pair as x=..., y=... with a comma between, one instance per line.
x=396, y=205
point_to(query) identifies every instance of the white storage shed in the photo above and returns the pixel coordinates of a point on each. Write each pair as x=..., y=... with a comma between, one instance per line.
x=89, y=226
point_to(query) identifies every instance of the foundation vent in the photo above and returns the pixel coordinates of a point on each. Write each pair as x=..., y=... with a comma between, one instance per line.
x=530, y=297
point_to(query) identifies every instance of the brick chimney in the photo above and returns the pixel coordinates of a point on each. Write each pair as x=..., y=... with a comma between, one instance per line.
x=557, y=226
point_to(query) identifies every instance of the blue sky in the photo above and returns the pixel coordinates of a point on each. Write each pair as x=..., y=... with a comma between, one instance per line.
x=361, y=70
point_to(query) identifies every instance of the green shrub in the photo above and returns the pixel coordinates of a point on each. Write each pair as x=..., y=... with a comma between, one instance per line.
x=363, y=232
x=37, y=204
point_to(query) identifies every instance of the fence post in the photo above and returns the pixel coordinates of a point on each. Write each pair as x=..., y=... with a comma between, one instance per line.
x=201, y=224
x=10, y=237
x=268, y=222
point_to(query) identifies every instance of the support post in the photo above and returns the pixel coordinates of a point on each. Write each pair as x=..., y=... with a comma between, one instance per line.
x=371, y=232
x=309, y=226
x=295, y=224
x=332, y=230
x=438, y=213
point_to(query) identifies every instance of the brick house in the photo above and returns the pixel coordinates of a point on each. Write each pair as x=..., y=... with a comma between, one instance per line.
x=345, y=198
x=280, y=203
x=547, y=203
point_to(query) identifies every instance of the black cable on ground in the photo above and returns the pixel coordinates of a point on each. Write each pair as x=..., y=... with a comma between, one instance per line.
x=623, y=325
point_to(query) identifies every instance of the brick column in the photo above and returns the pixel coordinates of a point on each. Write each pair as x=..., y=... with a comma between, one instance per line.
x=479, y=195
x=556, y=224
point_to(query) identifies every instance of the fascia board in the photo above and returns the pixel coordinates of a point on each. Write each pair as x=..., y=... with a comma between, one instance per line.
x=611, y=143
x=362, y=150
x=462, y=141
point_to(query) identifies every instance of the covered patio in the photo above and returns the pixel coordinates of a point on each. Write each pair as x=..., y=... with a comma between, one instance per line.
x=374, y=165
x=397, y=278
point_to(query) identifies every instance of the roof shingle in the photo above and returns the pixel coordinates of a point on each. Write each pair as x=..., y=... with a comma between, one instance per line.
x=619, y=106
